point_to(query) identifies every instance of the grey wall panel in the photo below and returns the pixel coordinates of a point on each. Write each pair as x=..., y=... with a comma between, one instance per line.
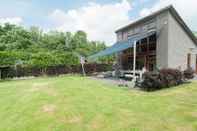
x=162, y=41
x=179, y=46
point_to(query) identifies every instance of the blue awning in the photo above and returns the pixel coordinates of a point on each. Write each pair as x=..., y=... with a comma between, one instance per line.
x=117, y=47
x=120, y=46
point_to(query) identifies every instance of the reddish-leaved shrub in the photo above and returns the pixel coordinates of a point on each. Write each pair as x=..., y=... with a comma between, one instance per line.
x=189, y=73
x=170, y=77
x=164, y=78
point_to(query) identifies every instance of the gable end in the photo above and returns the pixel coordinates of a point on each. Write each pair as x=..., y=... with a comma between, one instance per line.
x=183, y=25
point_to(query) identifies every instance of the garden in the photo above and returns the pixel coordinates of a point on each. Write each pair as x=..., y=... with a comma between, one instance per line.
x=76, y=103
x=36, y=95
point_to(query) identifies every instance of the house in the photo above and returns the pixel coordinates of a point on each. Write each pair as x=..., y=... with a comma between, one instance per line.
x=163, y=40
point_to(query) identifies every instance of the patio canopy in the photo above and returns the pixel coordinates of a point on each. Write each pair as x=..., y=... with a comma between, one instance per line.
x=123, y=45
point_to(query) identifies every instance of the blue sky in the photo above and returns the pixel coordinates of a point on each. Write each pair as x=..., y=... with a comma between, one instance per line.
x=35, y=12
x=99, y=18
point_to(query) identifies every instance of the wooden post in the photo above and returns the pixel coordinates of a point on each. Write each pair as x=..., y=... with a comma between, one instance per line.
x=120, y=60
x=145, y=61
x=147, y=54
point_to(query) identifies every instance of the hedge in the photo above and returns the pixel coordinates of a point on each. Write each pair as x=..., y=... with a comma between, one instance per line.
x=11, y=72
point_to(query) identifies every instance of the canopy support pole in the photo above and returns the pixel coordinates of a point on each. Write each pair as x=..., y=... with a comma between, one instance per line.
x=134, y=61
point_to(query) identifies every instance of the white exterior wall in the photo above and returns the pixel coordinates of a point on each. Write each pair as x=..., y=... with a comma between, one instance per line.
x=179, y=45
x=162, y=41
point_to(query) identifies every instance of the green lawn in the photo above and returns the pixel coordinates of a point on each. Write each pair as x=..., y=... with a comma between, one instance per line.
x=73, y=103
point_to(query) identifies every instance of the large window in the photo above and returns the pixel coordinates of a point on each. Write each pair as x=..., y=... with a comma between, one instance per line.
x=145, y=56
x=152, y=63
x=152, y=43
x=144, y=45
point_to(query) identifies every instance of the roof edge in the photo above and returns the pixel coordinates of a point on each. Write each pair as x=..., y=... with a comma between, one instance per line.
x=183, y=24
x=174, y=13
x=144, y=18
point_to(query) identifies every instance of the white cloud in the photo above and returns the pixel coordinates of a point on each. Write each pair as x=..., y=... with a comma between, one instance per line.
x=145, y=12
x=11, y=20
x=187, y=10
x=99, y=21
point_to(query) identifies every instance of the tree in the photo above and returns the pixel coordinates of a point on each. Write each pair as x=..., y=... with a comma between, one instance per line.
x=37, y=49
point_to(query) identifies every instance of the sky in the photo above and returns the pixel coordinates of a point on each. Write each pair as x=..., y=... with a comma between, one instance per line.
x=98, y=18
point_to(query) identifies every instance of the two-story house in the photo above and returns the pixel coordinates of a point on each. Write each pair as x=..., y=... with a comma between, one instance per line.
x=163, y=41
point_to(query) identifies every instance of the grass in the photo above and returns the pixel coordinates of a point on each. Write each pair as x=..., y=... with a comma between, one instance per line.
x=73, y=103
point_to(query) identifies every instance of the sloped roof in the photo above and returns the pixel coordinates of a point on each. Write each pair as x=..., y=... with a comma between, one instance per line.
x=174, y=13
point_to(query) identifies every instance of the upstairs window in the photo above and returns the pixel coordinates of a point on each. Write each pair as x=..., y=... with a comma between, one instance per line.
x=119, y=36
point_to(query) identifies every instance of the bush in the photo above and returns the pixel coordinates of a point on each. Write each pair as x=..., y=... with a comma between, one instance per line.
x=10, y=72
x=164, y=78
x=170, y=77
x=189, y=73
x=151, y=81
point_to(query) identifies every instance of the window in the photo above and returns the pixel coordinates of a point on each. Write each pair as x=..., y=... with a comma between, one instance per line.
x=130, y=32
x=125, y=36
x=130, y=60
x=145, y=28
x=138, y=47
x=128, y=51
x=137, y=30
x=152, y=47
x=119, y=36
x=152, y=42
x=188, y=60
x=152, y=63
x=151, y=26
x=144, y=45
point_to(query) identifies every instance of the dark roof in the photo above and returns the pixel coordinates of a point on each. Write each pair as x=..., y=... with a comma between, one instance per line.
x=174, y=13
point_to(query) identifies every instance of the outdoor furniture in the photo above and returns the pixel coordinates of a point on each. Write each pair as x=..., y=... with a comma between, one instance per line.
x=130, y=73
